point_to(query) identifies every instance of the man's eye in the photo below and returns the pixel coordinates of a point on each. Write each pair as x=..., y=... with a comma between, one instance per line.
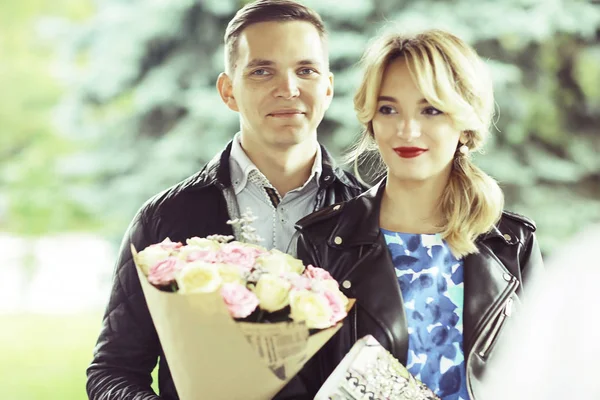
x=432, y=111
x=260, y=72
x=307, y=71
x=386, y=110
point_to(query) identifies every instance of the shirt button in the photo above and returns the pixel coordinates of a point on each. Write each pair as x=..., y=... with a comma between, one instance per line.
x=507, y=277
x=337, y=240
x=327, y=178
x=507, y=237
x=346, y=284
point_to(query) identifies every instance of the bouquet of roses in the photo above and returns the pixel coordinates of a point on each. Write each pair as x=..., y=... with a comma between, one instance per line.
x=228, y=311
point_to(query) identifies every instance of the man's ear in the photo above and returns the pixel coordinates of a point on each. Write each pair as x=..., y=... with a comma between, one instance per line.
x=329, y=89
x=225, y=89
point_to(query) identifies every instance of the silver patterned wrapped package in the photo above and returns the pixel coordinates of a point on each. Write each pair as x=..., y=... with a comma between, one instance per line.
x=370, y=372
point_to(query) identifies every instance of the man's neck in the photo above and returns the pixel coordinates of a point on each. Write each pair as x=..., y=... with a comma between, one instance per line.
x=285, y=168
x=412, y=207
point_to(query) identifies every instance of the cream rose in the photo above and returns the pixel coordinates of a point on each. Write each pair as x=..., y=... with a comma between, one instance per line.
x=203, y=243
x=272, y=292
x=312, y=308
x=325, y=285
x=230, y=273
x=277, y=262
x=199, y=277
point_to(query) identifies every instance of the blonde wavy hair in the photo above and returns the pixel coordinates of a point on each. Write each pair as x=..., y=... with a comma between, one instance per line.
x=453, y=79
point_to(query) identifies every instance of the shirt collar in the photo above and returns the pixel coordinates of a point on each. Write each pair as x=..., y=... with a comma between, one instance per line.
x=241, y=166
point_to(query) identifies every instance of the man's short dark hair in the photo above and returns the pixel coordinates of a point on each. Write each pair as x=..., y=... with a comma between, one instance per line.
x=266, y=11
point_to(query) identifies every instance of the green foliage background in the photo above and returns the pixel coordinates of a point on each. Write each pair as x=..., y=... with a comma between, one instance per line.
x=113, y=102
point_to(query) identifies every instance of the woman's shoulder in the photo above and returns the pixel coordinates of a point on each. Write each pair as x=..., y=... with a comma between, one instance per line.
x=514, y=228
x=510, y=218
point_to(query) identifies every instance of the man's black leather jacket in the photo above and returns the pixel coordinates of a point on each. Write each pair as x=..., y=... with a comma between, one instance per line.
x=128, y=346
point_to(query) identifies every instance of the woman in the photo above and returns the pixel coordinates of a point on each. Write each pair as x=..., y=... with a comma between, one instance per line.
x=434, y=262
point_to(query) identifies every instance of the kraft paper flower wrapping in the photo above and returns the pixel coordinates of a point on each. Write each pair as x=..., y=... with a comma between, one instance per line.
x=236, y=321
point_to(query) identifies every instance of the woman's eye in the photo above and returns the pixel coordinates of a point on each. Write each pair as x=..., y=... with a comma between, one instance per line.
x=432, y=111
x=386, y=110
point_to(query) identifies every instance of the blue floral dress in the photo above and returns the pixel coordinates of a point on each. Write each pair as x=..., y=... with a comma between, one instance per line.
x=431, y=281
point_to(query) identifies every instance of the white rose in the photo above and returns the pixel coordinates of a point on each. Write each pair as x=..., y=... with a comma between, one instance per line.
x=272, y=292
x=199, y=277
x=324, y=285
x=230, y=273
x=312, y=308
x=150, y=256
x=277, y=262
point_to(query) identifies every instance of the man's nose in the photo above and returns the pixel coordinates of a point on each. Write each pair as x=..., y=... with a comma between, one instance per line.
x=287, y=86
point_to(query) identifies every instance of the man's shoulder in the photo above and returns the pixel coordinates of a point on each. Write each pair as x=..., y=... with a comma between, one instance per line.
x=194, y=191
x=350, y=181
x=342, y=176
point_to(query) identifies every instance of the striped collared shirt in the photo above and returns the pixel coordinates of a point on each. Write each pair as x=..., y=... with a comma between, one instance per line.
x=276, y=215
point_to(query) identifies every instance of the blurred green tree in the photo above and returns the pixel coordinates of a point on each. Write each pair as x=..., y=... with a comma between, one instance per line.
x=143, y=102
x=32, y=199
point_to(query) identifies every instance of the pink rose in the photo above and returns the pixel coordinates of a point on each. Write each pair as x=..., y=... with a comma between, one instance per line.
x=240, y=301
x=206, y=255
x=317, y=273
x=163, y=273
x=337, y=302
x=239, y=254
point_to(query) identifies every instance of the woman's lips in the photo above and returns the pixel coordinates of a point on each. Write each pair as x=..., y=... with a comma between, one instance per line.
x=409, y=152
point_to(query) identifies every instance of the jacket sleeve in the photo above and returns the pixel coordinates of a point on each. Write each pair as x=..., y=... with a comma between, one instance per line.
x=128, y=347
x=532, y=265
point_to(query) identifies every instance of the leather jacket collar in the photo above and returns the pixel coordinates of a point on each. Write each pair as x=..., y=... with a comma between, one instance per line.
x=217, y=172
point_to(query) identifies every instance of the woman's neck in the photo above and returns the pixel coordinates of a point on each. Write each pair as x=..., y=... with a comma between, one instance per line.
x=413, y=206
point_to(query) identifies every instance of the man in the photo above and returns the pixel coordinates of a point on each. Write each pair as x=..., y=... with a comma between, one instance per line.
x=277, y=78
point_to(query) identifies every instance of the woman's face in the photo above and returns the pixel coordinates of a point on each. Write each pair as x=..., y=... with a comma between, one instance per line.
x=416, y=141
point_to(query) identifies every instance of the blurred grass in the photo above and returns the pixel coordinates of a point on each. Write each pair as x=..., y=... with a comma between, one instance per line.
x=44, y=357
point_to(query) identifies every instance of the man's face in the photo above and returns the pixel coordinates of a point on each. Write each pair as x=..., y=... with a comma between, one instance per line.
x=281, y=84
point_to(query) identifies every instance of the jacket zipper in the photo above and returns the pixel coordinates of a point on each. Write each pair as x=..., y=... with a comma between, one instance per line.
x=506, y=312
x=354, y=328
x=514, y=283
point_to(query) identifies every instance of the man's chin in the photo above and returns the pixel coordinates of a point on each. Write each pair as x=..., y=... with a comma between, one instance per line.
x=290, y=136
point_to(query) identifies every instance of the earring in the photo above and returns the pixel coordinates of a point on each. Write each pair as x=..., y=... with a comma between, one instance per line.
x=464, y=149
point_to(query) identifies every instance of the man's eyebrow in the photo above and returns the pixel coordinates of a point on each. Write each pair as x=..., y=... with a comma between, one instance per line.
x=308, y=62
x=258, y=62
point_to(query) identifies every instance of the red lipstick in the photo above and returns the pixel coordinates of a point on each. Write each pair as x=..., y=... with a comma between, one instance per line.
x=409, y=152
